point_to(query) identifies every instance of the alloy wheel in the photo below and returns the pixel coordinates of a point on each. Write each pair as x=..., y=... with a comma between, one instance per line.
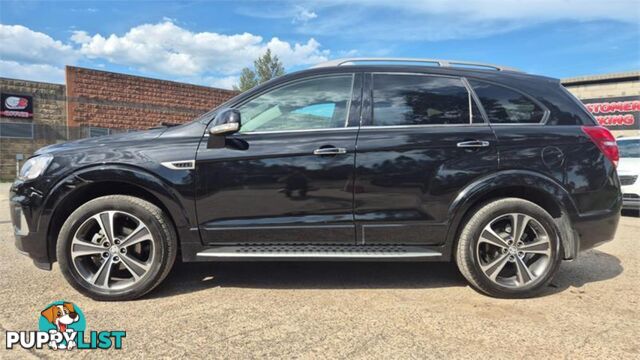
x=112, y=250
x=514, y=250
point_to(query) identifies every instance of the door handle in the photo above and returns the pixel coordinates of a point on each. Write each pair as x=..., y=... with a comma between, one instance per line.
x=472, y=144
x=329, y=151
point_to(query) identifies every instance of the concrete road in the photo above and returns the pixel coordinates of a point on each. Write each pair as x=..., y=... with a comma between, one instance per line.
x=346, y=310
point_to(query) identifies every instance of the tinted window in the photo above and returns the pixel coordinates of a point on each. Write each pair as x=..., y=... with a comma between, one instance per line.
x=506, y=106
x=317, y=103
x=629, y=148
x=419, y=100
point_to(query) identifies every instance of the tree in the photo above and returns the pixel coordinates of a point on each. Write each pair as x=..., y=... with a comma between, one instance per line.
x=265, y=68
x=248, y=80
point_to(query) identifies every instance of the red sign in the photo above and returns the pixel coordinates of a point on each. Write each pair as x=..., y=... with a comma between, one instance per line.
x=19, y=106
x=620, y=113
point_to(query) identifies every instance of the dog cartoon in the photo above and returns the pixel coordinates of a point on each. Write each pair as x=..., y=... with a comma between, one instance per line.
x=61, y=316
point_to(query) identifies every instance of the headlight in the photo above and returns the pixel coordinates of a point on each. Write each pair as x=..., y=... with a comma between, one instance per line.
x=34, y=167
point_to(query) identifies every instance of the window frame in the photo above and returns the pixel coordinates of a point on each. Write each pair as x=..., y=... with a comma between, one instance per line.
x=367, y=122
x=545, y=115
x=350, y=103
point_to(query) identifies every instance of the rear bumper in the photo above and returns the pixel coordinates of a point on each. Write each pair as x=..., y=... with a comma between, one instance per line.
x=28, y=240
x=597, y=229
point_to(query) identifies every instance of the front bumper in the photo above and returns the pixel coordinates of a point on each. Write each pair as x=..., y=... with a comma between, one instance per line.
x=630, y=191
x=23, y=203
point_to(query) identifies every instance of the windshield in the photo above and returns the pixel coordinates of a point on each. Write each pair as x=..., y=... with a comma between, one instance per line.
x=629, y=148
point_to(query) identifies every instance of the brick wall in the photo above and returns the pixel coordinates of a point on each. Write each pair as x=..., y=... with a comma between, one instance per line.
x=100, y=99
x=106, y=99
x=49, y=110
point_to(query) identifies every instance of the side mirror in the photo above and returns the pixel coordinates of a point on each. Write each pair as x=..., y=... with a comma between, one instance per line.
x=226, y=122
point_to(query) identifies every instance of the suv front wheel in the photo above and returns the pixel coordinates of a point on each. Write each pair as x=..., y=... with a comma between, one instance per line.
x=509, y=248
x=116, y=247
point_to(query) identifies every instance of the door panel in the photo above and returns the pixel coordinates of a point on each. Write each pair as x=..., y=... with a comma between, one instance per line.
x=287, y=177
x=276, y=190
x=408, y=174
x=406, y=179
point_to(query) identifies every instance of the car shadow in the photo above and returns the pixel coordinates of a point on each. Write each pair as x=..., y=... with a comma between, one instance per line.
x=592, y=266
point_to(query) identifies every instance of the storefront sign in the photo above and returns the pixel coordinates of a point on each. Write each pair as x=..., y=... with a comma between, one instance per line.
x=16, y=106
x=618, y=113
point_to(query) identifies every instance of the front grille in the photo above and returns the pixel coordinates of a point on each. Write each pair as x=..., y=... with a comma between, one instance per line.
x=628, y=179
x=630, y=196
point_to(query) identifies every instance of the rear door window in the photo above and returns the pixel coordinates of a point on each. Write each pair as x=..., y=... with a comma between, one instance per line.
x=506, y=106
x=405, y=99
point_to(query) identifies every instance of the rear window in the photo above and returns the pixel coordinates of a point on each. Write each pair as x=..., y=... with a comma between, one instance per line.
x=506, y=106
x=400, y=99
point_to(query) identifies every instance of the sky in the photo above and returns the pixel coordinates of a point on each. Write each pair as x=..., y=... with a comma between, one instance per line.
x=209, y=42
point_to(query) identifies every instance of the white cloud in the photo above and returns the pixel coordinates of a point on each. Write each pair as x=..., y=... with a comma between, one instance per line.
x=442, y=20
x=303, y=15
x=226, y=82
x=296, y=13
x=164, y=49
x=170, y=49
x=33, y=72
x=21, y=44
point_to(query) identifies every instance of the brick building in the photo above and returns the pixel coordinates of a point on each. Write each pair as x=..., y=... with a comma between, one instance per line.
x=93, y=103
x=117, y=101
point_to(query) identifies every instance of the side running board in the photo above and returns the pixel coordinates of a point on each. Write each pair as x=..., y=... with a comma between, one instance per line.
x=318, y=252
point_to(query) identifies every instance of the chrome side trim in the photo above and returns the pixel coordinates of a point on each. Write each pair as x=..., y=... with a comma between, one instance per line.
x=372, y=127
x=180, y=164
x=297, y=131
x=275, y=227
x=310, y=255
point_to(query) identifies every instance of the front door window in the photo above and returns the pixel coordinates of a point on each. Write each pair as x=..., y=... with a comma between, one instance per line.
x=317, y=103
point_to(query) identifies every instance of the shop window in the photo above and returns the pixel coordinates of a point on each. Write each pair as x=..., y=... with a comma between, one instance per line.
x=16, y=130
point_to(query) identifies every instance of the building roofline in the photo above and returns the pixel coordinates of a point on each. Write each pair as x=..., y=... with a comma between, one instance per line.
x=601, y=79
x=67, y=67
x=33, y=81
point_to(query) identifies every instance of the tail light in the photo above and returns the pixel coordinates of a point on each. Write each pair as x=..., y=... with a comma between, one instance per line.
x=605, y=141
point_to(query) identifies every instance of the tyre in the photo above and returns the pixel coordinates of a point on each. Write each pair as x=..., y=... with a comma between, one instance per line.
x=116, y=248
x=509, y=248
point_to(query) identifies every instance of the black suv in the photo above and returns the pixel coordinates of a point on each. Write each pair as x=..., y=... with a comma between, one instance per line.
x=503, y=172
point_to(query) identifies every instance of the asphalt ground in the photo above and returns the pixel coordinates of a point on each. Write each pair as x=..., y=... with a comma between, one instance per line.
x=345, y=310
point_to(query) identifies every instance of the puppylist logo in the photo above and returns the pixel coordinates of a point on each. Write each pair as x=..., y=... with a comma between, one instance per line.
x=62, y=326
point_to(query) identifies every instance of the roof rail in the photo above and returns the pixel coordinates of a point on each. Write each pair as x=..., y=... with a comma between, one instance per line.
x=437, y=62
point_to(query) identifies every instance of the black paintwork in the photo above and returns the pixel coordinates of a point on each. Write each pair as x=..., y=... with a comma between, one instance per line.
x=395, y=185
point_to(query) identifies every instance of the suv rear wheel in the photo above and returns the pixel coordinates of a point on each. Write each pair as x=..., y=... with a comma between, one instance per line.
x=116, y=247
x=509, y=248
